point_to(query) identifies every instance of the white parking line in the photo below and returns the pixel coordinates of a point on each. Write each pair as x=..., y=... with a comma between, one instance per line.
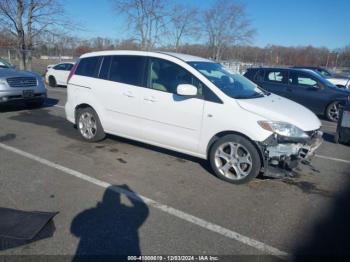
x=167, y=209
x=333, y=158
x=329, y=126
x=58, y=106
x=57, y=90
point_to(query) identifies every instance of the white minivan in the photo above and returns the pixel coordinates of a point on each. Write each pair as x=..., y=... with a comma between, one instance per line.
x=191, y=105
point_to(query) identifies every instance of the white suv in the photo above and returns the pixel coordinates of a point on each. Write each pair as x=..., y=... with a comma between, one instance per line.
x=191, y=105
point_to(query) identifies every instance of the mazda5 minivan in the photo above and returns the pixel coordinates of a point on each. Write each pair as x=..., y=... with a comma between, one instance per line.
x=190, y=105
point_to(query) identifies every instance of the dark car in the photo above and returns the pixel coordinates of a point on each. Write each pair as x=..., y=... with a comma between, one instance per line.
x=302, y=86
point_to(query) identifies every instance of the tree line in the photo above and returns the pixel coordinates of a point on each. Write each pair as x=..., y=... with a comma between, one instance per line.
x=221, y=31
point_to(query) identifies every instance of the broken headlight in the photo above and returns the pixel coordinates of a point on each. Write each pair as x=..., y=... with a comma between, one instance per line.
x=283, y=129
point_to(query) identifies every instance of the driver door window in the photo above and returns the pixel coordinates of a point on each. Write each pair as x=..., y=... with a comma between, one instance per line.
x=166, y=76
x=302, y=80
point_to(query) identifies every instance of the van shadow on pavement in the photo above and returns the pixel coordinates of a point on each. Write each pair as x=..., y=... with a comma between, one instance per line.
x=111, y=228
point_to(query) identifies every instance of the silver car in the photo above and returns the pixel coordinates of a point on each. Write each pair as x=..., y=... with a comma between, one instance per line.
x=21, y=86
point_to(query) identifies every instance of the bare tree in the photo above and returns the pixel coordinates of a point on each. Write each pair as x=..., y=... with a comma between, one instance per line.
x=183, y=22
x=145, y=18
x=26, y=20
x=226, y=24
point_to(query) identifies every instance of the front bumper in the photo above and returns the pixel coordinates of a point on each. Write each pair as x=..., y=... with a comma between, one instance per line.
x=283, y=154
x=13, y=96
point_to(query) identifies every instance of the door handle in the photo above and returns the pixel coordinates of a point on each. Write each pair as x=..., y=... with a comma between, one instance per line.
x=128, y=94
x=150, y=99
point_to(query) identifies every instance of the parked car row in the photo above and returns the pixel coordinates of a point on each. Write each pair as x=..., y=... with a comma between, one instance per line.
x=303, y=86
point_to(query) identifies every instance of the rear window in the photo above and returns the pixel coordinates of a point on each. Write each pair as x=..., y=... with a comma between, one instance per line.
x=89, y=66
x=127, y=69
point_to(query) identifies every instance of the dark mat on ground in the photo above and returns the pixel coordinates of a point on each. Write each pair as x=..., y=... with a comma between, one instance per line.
x=22, y=227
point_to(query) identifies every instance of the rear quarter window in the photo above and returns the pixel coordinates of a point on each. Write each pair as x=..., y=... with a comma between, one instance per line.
x=89, y=66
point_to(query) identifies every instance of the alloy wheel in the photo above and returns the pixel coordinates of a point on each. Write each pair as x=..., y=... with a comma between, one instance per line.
x=87, y=125
x=233, y=161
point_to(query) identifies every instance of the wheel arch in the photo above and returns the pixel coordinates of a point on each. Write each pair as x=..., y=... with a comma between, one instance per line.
x=231, y=132
x=81, y=106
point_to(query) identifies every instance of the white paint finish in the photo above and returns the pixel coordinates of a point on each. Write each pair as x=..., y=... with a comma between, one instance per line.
x=61, y=76
x=152, y=203
x=171, y=120
x=183, y=125
x=277, y=108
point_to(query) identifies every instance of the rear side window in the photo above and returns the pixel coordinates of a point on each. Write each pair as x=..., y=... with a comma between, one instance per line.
x=250, y=73
x=89, y=66
x=276, y=76
x=60, y=67
x=127, y=69
x=259, y=75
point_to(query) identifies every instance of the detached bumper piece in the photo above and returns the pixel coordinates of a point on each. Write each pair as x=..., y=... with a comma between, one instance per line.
x=283, y=154
x=19, y=227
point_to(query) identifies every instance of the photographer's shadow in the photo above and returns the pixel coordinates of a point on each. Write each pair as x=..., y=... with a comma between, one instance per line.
x=110, y=228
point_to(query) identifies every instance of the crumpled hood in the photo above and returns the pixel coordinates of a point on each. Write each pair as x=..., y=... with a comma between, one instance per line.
x=5, y=73
x=276, y=108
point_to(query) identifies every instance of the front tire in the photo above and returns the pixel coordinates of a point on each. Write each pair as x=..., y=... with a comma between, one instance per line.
x=89, y=125
x=332, y=111
x=235, y=159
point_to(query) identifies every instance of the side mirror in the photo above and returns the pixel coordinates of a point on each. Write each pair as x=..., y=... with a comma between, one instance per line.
x=186, y=90
x=316, y=87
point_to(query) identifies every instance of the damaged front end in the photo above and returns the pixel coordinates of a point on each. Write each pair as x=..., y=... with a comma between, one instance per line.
x=282, y=154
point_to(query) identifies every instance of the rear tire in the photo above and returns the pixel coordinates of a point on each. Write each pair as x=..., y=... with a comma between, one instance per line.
x=52, y=81
x=235, y=159
x=89, y=125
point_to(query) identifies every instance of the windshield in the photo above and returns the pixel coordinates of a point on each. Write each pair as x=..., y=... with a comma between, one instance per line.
x=323, y=72
x=233, y=85
x=4, y=64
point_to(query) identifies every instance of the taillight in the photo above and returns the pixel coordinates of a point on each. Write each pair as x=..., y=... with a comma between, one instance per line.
x=72, y=71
